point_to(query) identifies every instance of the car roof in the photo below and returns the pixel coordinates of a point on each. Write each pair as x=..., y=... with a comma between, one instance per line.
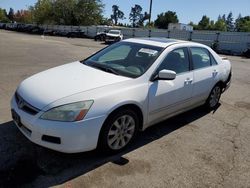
x=155, y=41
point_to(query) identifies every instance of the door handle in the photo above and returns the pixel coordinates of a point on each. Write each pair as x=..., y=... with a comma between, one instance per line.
x=188, y=81
x=215, y=72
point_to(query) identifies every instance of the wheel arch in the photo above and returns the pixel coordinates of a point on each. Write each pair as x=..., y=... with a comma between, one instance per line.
x=114, y=110
x=220, y=83
x=133, y=106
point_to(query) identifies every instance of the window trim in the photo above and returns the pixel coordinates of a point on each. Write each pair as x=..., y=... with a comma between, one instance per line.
x=191, y=56
x=188, y=58
x=212, y=57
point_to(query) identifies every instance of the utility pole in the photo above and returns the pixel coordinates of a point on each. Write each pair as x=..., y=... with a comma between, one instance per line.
x=150, y=11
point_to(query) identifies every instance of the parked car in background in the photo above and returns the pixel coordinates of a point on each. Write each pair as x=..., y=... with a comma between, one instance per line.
x=37, y=30
x=2, y=25
x=11, y=26
x=104, y=100
x=246, y=53
x=100, y=36
x=61, y=33
x=28, y=28
x=113, y=36
x=50, y=32
x=78, y=33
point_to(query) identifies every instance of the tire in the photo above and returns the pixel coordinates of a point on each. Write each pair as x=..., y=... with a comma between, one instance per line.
x=117, y=39
x=214, y=97
x=118, y=131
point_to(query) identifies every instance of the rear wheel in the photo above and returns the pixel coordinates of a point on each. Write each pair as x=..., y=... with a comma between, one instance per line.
x=117, y=39
x=214, y=97
x=118, y=131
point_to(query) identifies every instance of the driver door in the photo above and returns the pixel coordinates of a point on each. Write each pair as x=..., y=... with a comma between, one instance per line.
x=167, y=97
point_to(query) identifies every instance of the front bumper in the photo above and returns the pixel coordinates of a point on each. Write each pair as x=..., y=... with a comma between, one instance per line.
x=111, y=39
x=74, y=136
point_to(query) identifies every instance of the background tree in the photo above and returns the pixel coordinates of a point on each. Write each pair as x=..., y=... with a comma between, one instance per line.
x=164, y=19
x=23, y=16
x=106, y=21
x=89, y=12
x=3, y=16
x=117, y=14
x=211, y=25
x=11, y=14
x=224, y=17
x=149, y=25
x=243, y=24
x=143, y=19
x=68, y=12
x=135, y=15
x=237, y=22
x=204, y=23
x=229, y=22
x=219, y=17
x=220, y=25
x=64, y=12
x=43, y=12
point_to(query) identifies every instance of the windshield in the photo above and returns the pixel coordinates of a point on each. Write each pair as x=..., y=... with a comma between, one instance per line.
x=114, y=32
x=125, y=59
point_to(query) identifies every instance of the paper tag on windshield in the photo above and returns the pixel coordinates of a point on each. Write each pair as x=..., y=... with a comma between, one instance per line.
x=148, y=51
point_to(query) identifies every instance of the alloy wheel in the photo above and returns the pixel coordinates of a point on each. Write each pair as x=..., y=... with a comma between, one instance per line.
x=215, y=96
x=121, y=132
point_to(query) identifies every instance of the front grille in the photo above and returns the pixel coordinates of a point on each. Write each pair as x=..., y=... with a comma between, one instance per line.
x=26, y=107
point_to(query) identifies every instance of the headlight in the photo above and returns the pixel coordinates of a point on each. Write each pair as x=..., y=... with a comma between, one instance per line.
x=69, y=112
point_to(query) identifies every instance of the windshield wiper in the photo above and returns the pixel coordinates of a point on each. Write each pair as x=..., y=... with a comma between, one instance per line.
x=105, y=68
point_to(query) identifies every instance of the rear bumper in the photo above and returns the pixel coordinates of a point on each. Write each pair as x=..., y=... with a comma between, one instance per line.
x=227, y=83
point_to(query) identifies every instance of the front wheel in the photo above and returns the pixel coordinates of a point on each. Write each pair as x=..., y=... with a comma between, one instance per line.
x=214, y=97
x=118, y=131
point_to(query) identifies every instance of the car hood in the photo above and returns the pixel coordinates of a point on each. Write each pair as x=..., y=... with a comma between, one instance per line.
x=49, y=86
x=112, y=35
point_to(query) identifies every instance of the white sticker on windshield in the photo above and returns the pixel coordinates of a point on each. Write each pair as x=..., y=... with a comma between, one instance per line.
x=148, y=51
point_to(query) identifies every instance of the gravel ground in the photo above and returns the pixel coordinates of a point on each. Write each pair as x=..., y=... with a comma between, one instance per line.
x=194, y=149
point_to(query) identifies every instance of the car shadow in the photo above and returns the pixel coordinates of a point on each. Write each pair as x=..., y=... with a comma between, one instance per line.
x=23, y=163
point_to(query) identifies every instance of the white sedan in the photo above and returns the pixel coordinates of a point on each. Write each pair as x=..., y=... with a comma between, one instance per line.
x=104, y=100
x=113, y=36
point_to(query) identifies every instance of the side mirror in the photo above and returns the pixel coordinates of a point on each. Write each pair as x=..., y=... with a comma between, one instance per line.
x=166, y=75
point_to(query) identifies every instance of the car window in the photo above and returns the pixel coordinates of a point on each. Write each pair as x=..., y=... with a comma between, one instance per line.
x=114, y=32
x=201, y=58
x=213, y=61
x=119, y=53
x=177, y=61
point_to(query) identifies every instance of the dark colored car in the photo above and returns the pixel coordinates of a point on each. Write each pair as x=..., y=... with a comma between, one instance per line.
x=37, y=30
x=2, y=25
x=100, y=36
x=76, y=34
x=247, y=53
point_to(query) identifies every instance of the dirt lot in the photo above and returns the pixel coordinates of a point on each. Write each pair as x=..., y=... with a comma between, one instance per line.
x=195, y=149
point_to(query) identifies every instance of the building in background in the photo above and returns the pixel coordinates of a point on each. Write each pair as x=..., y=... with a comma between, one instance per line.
x=180, y=26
